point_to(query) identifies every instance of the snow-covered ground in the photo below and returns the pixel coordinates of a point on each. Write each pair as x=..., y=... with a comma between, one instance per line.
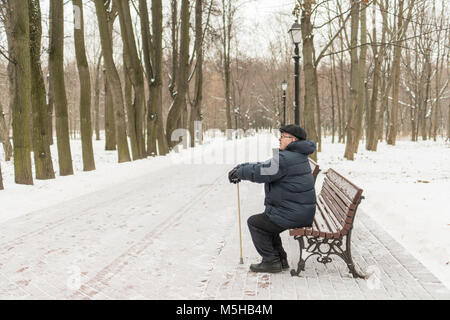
x=406, y=186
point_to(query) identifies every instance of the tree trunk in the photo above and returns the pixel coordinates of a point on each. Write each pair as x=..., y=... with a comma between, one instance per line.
x=85, y=88
x=110, y=128
x=155, y=124
x=195, y=114
x=4, y=136
x=424, y=109
x=128, y=100
x=1, y=178
x=174, y=34
x=354, y=77
x=41, y=147
x=317, y=98
x=22, y=92
x=8, y=23
x=136, y=76
x=372, y=139
x=226, y=44
x=333, y=116
x=362, y=78
x=338, y=102
x=113, y=82
x=343, y=97
x=97, y=98
x=56, y=66
x=401, y=30
x=308, y=70
x=183, y=73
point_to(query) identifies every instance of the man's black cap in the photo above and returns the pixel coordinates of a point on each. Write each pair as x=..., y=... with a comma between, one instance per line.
x=294, y=130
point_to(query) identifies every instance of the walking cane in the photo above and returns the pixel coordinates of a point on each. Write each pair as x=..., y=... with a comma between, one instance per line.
x=239, y=214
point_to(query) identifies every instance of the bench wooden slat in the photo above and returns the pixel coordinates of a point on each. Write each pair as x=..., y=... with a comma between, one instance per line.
x=341, y=200
x=314, y=168
x=335, y=226
x=344, y=199
x=297, y=232
x=333, y=201
x=339, y=221
x=326, y=218
x=322, y=227
x=316, y=232
x=345, y=186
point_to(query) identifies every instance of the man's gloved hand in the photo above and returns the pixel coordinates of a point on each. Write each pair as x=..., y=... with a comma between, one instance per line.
x=232, y=176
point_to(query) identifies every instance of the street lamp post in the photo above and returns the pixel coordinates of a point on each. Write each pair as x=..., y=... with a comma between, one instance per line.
x=296, y=35
x=284, y=87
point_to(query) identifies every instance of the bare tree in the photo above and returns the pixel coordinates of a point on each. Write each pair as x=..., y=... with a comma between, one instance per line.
x=22, y=91
x=183, y=73
x=136, y=76
x=152, y=45
x=85, y=88
x=402, y=26
x=113, y=81
x=41, y=147
x=56, y=66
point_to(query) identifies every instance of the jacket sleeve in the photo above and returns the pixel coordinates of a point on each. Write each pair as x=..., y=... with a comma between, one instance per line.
x=262, y=172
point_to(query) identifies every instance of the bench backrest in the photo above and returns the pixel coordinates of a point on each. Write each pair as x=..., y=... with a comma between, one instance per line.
x=338, y=201
x=314, y=168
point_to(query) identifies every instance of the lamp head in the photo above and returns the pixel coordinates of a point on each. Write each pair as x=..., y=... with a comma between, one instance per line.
x=296, y=33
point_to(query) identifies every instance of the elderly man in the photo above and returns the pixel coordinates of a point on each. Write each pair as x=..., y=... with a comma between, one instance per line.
x=290, y=200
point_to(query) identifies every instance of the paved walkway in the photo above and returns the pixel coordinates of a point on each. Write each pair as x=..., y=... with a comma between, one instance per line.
x=144, y=240
x=395, y=273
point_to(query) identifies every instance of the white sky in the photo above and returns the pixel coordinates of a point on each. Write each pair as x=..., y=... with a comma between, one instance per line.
x=256, y=18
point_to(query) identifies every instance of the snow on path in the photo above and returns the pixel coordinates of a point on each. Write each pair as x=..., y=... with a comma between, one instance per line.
x=140, y=229
x=140, y=239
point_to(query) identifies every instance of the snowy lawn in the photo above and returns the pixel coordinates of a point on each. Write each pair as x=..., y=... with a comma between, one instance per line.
x=406, y=189
x=406, y=186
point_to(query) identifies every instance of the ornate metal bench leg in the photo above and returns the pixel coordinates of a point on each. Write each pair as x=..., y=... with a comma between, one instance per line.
x=349, y=260
x=301, y=262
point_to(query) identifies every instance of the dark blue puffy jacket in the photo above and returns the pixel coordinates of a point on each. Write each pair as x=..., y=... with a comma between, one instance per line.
x=290, y=196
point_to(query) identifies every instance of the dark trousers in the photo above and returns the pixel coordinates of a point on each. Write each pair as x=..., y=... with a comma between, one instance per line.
x=266, y=237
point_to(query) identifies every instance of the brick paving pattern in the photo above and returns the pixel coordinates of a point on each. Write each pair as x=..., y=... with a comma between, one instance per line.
x=132, y=242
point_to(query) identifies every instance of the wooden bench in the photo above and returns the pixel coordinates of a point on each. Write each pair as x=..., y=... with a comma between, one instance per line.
x=333, y=223
x=314, y=168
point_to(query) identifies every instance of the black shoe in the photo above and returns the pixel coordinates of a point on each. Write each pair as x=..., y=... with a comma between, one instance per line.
x=271, y=267
x=284, y=264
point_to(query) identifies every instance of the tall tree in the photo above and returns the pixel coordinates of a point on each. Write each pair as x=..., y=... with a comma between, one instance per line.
x=56, y=66
x=41, y=147
x=402, y=25
x=1, y=178
x=354, y=82
x=136, y=76
x=110, y=127
x=378, y=53
x=183, y=73
x=309, y=73
x=228, y=12
x=4, y=135
x=362, y=76
x=85, y=88
x=195, y=114
x=97, y=98
x=22, y=92
x=113, y=81
x=109, y=118
x=152, y=46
